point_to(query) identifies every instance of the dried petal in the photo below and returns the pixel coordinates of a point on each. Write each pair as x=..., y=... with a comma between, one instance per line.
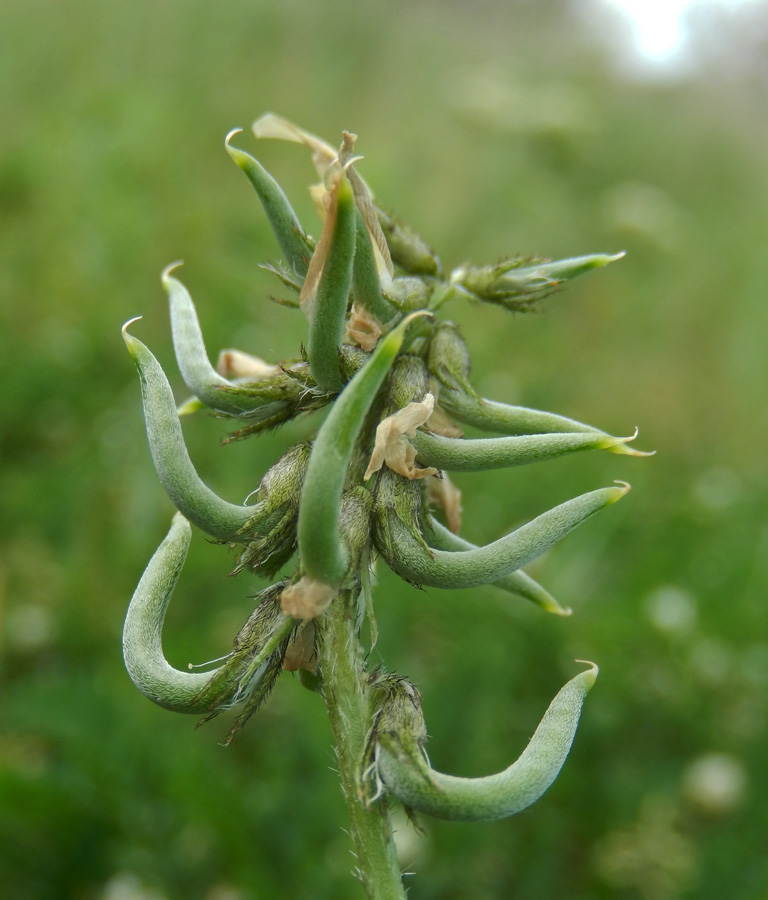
x=443, y=493
x=272, y=126
x=236, y=364
x=307, y=598
x=391, y=446
x=362, y=328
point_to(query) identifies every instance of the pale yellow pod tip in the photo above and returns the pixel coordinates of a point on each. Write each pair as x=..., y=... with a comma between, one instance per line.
x=165, y=275
x=624, y=488
x=619, y=446
x=590, y=676
x=124, y=329
x=231, y=134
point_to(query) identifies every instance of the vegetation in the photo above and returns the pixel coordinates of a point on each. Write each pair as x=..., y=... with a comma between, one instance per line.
x=501, y=134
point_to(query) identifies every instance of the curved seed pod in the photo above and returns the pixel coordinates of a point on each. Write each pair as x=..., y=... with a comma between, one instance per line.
x=469, y=568
x=323, y=556
x=248, y=672
x=187, y=491
x=294, y=243
x=407, y=774
x=142, y=632
x=516, y=582
x=328, y=307
x=479, y=454
x=269, y=400
x=366, y=286
x=195, y=367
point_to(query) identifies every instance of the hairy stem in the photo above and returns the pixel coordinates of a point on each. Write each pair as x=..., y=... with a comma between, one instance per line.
x=350, y=708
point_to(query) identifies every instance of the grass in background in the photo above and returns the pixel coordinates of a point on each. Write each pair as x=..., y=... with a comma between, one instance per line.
x=492, y=132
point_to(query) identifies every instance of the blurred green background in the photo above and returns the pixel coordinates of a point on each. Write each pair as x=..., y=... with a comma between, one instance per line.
x=494, y=128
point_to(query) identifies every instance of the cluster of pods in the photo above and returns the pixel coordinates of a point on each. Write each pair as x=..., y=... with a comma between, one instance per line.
x=372, y=483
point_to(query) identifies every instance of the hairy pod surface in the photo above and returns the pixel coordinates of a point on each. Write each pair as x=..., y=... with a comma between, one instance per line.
x=406, y=773
x=187, y=491
x=517, y=582
x=143, y=653
x=484, y=565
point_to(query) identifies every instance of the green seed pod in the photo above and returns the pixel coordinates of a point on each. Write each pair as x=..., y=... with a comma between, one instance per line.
x=500, y=418
x=323, y=556
x=408, y=382
x=409, y=294
x=247, y=673
x=479, y=454
x=277, y=498
x=441, y=538
x=294, y=244
x=328, y=308
x=408, y=250
x=407, y=774
x=469, y=568
x=266, y=401
x=448, y=358
x=196, y=370
x=366, y=286
x=189, y=494
x=143, y=629
x=397, y=507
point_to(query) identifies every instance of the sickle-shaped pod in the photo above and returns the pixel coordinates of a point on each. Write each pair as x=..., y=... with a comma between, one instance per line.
x=267, y=401
x=142, y=634
x=189, y=494
x=484, y=565
x=195, y=367
x=248, y=671
x=295, y=245
x=406, y=773
x=479, y=454
x=515, y=583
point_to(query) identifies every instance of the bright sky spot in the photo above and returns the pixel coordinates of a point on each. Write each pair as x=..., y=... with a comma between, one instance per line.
x=657, y=25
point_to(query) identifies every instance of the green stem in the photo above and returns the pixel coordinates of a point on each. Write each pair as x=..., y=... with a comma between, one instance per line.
x=350, y=709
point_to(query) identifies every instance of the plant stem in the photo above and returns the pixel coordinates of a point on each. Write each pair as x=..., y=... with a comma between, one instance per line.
x=350, y=708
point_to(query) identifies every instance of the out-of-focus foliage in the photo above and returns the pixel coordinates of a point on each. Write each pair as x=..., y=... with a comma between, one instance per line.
x=494, y=129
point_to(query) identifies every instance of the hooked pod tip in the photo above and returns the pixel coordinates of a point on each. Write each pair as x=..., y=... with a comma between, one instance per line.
x=165, y=275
